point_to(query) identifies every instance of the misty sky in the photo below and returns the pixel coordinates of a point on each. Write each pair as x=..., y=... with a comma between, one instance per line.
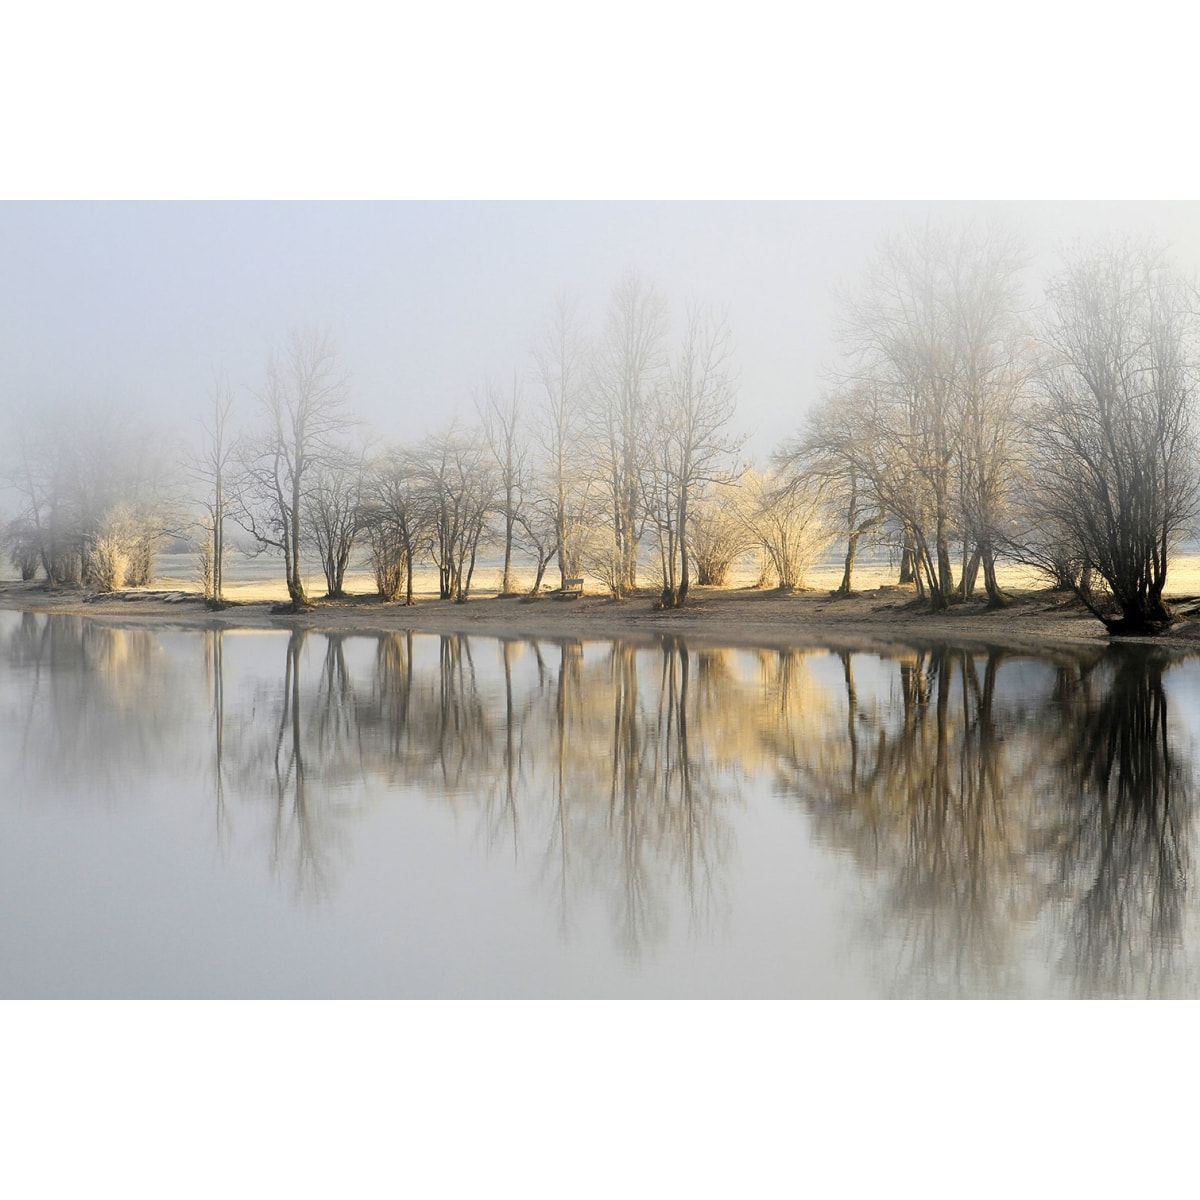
x=142, y=303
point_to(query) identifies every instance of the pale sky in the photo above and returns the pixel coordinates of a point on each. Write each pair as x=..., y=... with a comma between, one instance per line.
x=143, y=303
x=847, y=121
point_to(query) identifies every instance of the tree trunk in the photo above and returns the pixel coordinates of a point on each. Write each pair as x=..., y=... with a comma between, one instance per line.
x=996, y=597
x=684, y=565
x=295, y=584
x=970, y=574
x=297, y=594
x=943, y=583
x=218, y=542
x=1142, y=614
x=844, y=588
x=908, y=561
x=506, y=581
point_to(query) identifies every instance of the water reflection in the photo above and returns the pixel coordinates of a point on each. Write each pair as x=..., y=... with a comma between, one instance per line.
x=96, y=705
x=1121, y=843
x=588, y=769
x=1013, y=825
x=987, y=808
x=928, y=786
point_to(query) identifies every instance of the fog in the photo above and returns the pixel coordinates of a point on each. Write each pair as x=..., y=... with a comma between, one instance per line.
x=142, y=304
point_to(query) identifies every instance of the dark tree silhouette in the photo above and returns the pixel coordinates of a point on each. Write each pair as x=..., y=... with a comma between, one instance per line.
x=1116, y=461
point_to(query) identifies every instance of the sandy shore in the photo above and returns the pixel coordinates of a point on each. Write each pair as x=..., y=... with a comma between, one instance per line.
x=881, y=613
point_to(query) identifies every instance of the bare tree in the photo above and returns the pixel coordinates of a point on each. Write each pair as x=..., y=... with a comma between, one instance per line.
x=500, y=419
x=561, y=480
x=690, y=447
x=536, y=533
x=303, y=404
x=784, y=515
x=334, y=505
x=394, y=520
x=834, y=453
x=41, y=471
x=934, y=374
x=132, y=482
x=1116, y=454
x=458, y=496
x=211, y=468
x=718, y=534
x=992, y=367
x=81, y=474
x=628, y=367
x=1038, y=539
x=23, y=551
x=893, y=481
x=113, y=544
x=897, y=335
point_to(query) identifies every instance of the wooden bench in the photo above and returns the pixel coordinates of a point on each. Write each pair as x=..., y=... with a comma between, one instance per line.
x=571, y=587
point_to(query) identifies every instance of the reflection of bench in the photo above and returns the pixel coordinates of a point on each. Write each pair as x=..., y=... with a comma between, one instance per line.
x=572, y=587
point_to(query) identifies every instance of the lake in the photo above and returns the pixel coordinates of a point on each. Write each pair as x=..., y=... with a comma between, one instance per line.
x=292, y=814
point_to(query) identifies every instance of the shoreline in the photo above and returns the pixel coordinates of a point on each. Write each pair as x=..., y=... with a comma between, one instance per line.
x=884, y=615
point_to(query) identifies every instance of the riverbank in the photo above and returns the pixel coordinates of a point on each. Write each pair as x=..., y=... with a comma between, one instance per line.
x=880, y=614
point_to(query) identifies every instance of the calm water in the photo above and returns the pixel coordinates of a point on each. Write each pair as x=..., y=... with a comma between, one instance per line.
x=287, y=815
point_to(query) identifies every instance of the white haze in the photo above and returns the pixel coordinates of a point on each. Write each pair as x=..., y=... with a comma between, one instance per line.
x=140, y=305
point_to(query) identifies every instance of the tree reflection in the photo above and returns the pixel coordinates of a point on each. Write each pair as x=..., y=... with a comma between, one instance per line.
x=214, y=670
x=619, y=769
x=562, y=720
x=925, y=793
x=99, y=707
x=956, y=792
x=995, y=801
x=637, y=809
x=1121, y=843
x=591, y=765
x=293, y=746
x=690, y=783
x=630, y=813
